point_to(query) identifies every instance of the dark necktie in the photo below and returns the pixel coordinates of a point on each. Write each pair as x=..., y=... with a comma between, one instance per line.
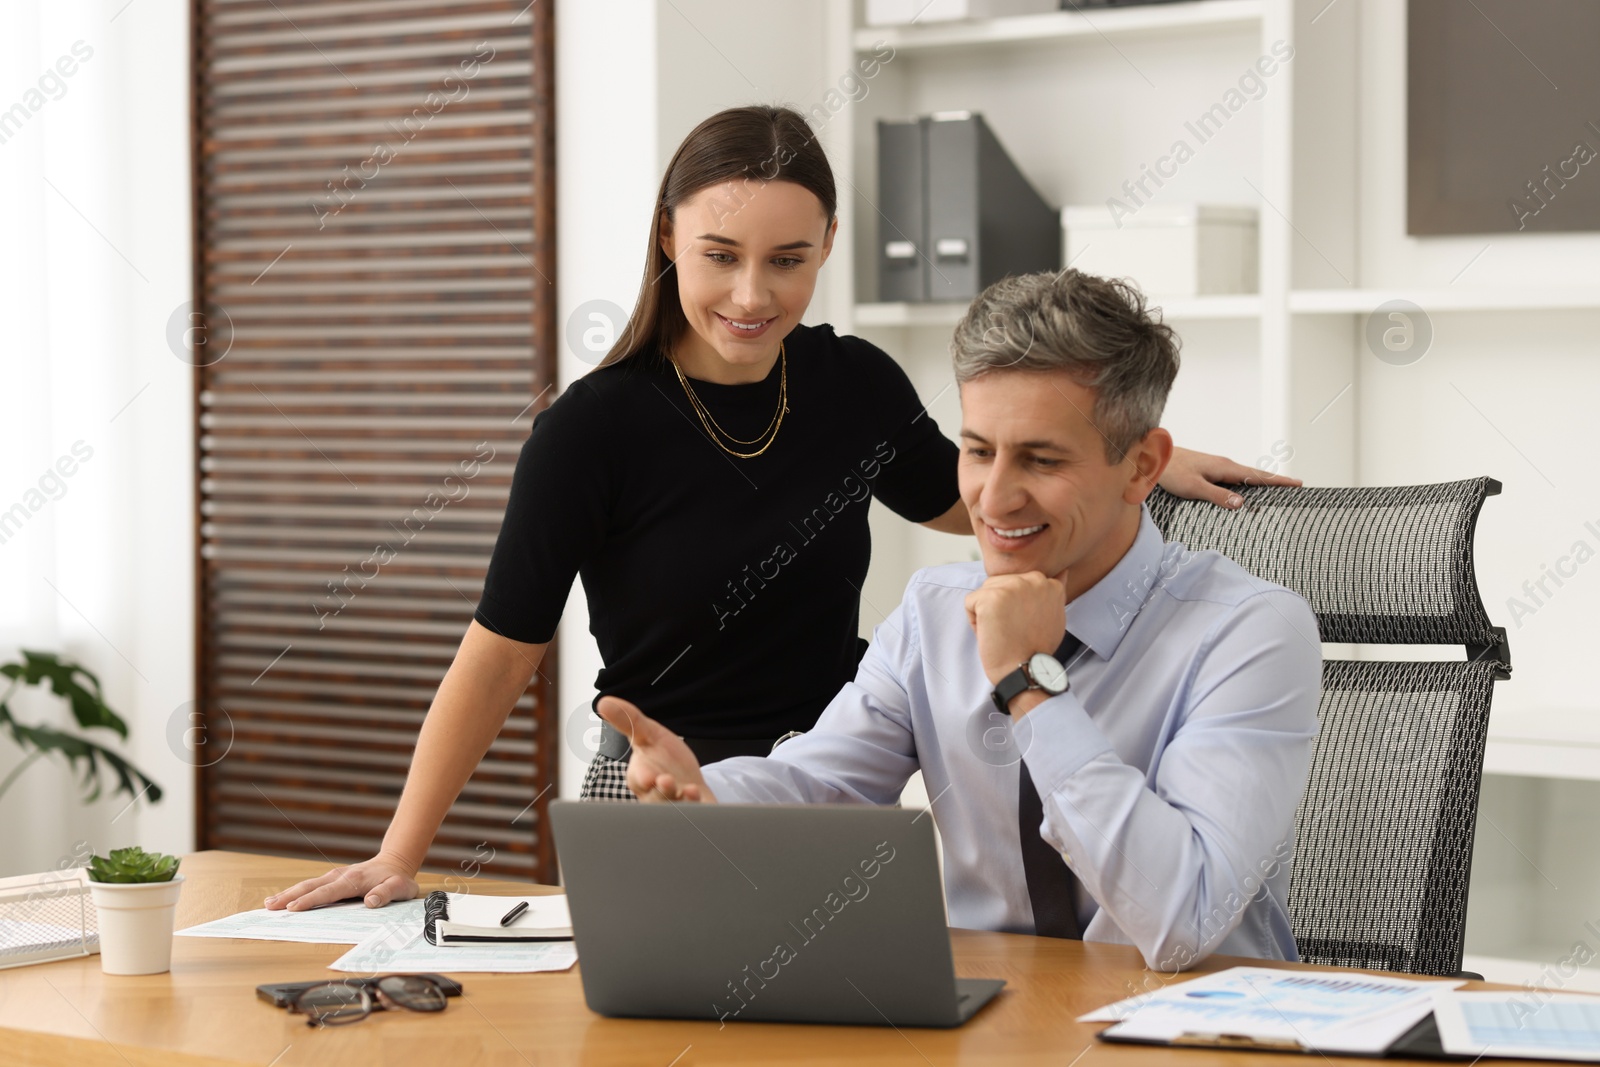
x=1051, y=883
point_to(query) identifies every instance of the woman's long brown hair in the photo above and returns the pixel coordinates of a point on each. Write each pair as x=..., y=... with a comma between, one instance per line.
x=749, y=144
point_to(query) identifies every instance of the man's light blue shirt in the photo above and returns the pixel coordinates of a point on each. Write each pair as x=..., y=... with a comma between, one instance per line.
x=1169, y=772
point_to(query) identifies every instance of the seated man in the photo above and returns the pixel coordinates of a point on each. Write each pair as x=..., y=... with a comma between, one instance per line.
x=1115, y=731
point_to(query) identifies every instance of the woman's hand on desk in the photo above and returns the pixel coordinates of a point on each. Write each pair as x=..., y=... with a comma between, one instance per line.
x=661, y=766
x=377, y=881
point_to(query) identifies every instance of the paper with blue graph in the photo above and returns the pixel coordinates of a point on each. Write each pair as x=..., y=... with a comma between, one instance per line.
x=1528, y=1023
x=1259, y=1007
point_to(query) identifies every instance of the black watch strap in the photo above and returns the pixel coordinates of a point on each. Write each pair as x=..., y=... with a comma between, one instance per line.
x=1010, y=687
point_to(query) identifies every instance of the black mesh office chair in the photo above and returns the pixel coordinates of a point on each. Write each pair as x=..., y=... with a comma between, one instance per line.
x=1383, y=837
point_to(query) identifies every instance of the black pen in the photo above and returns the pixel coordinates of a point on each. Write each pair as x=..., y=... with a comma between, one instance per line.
x=511, y=916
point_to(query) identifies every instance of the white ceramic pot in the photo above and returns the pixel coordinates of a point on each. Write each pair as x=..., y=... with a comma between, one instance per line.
x=136, y=921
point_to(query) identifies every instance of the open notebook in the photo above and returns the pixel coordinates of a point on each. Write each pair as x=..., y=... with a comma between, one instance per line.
x=465, y=918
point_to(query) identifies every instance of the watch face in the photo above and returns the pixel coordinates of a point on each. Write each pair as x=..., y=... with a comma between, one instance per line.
x=1048, y=672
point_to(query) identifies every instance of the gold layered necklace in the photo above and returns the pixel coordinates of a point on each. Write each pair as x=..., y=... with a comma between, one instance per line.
x=718, y=434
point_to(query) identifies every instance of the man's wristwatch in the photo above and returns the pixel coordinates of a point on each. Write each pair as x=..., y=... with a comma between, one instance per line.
x=1041, y=671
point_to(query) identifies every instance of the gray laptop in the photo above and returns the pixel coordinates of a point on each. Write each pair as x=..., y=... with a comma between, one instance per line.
x=813, y=913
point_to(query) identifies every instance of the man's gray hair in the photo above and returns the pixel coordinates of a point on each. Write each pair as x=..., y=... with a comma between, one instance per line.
x=1095, y=329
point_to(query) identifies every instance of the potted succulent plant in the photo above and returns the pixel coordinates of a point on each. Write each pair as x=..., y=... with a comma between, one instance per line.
x=135, y=900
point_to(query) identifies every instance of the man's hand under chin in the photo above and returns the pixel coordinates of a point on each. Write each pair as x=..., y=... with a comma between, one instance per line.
x=1014, y=616
x=661, y=768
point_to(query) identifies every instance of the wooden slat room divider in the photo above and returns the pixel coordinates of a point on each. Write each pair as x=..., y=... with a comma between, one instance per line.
x=374, y=211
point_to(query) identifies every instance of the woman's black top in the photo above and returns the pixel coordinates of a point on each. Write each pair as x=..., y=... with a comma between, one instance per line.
x=723, y=593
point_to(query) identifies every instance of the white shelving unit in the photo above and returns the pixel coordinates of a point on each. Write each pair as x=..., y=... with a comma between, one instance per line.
x=947, y=314
x=1069, y=94
x=1545, y=744
x=1362, y=301
x=1081, y=101
x=1042, y=29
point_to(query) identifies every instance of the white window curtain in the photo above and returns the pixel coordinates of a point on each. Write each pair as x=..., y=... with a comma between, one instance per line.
x=96, y=446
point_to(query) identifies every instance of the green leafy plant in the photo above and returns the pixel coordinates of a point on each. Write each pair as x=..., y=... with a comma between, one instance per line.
x=81, y=689
x=133, y=864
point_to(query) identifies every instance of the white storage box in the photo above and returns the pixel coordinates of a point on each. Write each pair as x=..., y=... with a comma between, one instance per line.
x=1167, y=250
x=900, y=12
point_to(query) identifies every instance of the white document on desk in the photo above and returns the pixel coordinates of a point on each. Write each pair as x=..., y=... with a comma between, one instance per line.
x=1521, y=1023
x=400, y=949
x=334, y=924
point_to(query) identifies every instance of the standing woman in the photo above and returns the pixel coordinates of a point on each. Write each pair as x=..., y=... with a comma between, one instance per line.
x=710, y=481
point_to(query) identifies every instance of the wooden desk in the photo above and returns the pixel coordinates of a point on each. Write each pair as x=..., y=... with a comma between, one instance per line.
x=206, y=1011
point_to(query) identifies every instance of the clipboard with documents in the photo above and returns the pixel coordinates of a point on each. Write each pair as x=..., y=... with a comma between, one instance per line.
x=1347, y=1013
x=469, y=918
x=1354, y=1014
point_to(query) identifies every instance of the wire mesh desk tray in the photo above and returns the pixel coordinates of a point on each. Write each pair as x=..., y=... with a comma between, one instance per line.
x=46, y=917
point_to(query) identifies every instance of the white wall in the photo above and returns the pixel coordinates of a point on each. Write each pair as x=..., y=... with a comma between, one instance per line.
x=1512, y=395
x=96, y=193
x=633, y=77
x=712, y=55
x=1506, y=394
x=149, y=140
x=605, y=184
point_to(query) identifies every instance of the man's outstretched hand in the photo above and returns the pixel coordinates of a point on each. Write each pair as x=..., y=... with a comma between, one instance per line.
x=661, y=767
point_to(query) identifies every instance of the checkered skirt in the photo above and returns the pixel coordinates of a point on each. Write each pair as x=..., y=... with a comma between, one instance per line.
x=606, y=779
